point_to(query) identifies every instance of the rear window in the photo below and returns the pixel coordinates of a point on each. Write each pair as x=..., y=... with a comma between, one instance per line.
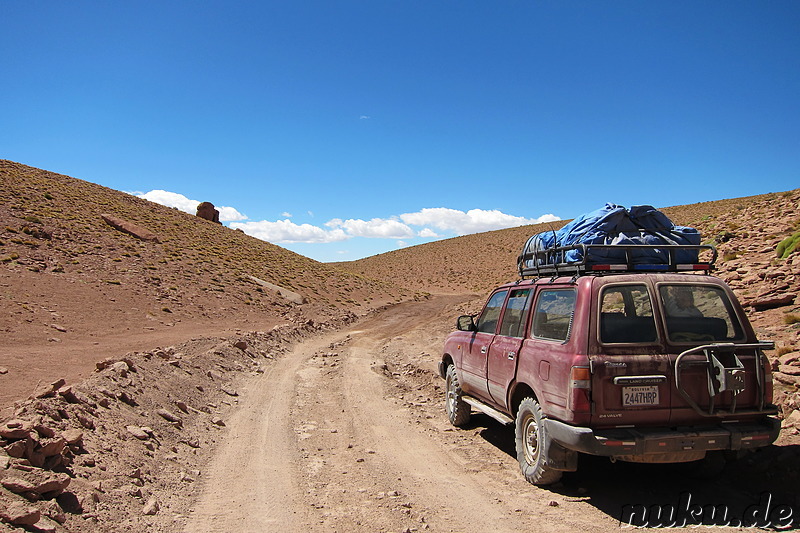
x=699, y=313
x=626, y=315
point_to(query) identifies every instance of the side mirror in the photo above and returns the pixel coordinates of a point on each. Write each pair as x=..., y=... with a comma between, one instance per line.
x=466, y=323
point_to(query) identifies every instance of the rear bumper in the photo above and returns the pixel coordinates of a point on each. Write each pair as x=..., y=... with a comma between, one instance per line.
x=653, y=442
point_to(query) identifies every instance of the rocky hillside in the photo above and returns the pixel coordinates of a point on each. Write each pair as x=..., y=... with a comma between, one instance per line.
x=747, y=233
x=479, y=262
x=72, y=281
x=126, y=336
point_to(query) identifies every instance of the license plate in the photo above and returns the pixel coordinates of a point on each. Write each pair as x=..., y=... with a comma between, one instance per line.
x=636, y=396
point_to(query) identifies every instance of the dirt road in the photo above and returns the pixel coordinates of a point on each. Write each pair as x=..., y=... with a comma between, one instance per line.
x=348, y=433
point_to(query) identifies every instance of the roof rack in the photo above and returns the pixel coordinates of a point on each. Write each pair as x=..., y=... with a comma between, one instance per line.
x=552, y=261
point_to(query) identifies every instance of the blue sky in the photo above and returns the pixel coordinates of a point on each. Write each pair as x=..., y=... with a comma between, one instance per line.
x=363, y=126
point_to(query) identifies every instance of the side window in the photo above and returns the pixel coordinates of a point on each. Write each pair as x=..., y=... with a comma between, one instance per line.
x=487, y=322
x=552, y=316
x=626, y=315
x=513, y=324
x=699, y=313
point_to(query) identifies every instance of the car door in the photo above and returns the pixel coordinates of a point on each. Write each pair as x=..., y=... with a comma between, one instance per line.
x=502, y=360
x=476, y=353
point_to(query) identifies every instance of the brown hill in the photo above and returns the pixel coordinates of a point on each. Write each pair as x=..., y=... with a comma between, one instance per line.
x=746, y=232
x=71, y=283
x=182, y=316
x=479, y=262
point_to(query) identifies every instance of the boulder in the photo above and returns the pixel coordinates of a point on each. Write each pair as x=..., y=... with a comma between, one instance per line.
x=138, y=432
x=206, y=210
x=49, y=390
x=15, y=429
x=770, y=302
x=20, y=514
x=130, y=228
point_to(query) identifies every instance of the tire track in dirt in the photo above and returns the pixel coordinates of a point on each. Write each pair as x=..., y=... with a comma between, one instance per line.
x=325, y=441
x=251, y=484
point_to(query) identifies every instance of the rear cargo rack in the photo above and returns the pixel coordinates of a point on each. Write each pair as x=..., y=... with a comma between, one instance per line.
x=725, y=373
x=553, y=261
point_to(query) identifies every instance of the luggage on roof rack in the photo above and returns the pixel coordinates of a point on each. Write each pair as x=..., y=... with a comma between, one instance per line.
x=615, y=238
x=615, y=258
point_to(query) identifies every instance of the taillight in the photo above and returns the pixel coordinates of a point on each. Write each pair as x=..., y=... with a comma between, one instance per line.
x=768, y=386
x=580, y=387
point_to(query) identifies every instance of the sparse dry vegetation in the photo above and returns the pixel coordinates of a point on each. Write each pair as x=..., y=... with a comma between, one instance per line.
x=197, y=311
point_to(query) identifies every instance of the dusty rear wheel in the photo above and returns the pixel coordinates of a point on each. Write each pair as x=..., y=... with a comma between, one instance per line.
x=532, y=443
x=458, y=411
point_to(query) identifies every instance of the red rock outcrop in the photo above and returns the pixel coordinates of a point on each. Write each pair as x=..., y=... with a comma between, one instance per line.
x=206, y=210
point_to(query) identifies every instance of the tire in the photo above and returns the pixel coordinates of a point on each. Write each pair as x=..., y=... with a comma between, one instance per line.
x=458, y=411
x=532, y=445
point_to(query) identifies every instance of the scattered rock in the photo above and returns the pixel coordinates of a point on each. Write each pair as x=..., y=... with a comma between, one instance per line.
x=20, y=514
x=229, y=391
x=15, y=429
x=130, y=228
x=771, y=302
x=74, y=437
x=151, y=507
x=138, y=432
x=169, y=416
x=793, y=420
x=49, y=390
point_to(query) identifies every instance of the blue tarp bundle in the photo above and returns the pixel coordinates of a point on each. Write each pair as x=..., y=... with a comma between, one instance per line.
x=613, y=224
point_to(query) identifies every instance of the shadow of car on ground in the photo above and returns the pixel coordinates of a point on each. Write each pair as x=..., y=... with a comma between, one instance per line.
x=757, y=490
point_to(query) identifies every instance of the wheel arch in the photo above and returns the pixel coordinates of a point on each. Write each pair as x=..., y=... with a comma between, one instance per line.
x=520, y=391
x=446, y=361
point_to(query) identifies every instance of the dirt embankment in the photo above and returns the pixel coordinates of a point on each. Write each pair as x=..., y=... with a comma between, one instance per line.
x=342, y=431
x=281, y=415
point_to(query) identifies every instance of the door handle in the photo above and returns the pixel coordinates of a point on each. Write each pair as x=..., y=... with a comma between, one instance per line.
x=511, y=355
x=484, y=349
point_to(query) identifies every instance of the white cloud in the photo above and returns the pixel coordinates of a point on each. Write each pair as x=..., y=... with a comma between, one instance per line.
x=473, y=221
x=447, y=221
x=427, y=233
x=228, y=214
x=377, y=228
x=179, y=201
x=288, y=231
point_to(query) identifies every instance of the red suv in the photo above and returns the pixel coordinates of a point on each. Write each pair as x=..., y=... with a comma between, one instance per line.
x=643, y=363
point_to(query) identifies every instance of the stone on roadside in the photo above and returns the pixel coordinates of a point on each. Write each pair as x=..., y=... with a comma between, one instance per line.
x=49, y=390
x=151, y=507
x=73, y=436
x=793, y=420
x=138, y=432
x=169, y=416
x=230, y=391
x=15, y=429
x=20, y=514
x=771, y=302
